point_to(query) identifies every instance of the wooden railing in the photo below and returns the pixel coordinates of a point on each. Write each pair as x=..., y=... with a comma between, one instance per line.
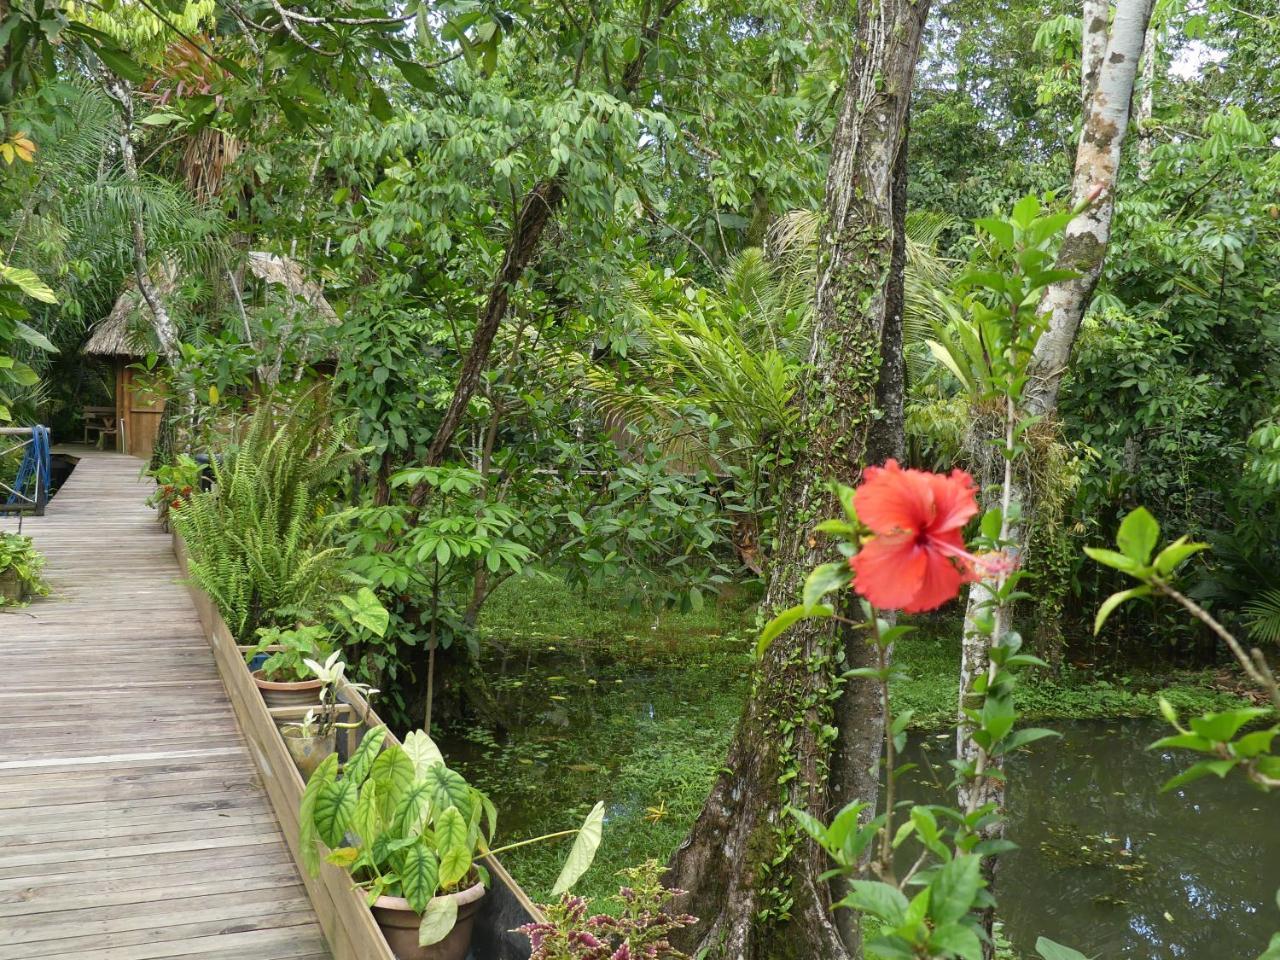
x=347, y=922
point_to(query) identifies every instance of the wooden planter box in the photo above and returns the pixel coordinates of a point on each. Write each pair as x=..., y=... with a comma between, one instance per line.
x=348, y=924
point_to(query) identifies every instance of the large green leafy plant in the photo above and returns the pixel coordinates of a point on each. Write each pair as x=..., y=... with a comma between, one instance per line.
x=405, y=825
x=19, y=559
x=256, y=540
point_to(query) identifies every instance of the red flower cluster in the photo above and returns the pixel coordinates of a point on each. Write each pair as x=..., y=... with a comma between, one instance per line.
x=916, y=560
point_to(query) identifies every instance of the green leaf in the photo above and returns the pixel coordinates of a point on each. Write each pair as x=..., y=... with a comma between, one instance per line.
x=335, y=808
x=955, y=887
x=784, y=621
x=413, y=809
x=437, y=920
x=365, y=820
x=1137, y=535
x=822, y=580
x=393, y=773
x=452, y=845
x=422, y=750
x=121, y=65
x=1273, y=949
x=419, y=872
x=1109, y=605
x=357, y=768
x=1049, y=950
x=878, y=899
x=1173, y=556
x=28, y=283
x=1223, y=726
x=583, y=852
x=448, y=789
x=957, y=940
x=1020, y=738
x=307, y=838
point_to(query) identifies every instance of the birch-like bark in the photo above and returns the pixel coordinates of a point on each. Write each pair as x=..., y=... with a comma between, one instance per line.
x=1097, y=163
x=1106, y=117
x=1093, y=45
x=1147, y=102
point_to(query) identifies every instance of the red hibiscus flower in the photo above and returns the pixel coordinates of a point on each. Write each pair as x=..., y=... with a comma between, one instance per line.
x=916, y=560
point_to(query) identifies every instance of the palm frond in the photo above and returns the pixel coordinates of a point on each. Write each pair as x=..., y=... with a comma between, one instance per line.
x=1262, y=617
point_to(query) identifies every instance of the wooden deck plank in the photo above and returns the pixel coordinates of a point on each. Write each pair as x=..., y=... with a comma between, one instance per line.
x=133, y=825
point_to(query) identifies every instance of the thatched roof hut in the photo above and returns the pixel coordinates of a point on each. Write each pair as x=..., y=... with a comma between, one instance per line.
x=126, y=330
x=126, y=333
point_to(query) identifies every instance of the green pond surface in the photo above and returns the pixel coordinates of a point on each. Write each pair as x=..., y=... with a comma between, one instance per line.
x=1106, y=863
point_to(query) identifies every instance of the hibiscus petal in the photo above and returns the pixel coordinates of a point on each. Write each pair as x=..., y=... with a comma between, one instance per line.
x=893, y=500
x=888, y=571
x=954, y=500
x=939, y=582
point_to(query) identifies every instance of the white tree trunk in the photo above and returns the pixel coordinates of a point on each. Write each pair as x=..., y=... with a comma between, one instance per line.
x=1147, y=102
x=1109, y=67
x=1097, y=162
x=1093, y=45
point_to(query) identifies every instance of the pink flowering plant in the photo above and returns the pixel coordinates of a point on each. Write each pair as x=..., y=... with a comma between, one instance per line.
x=639, y=931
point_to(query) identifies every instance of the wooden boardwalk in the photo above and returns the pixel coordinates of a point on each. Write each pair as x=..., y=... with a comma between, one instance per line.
x=132, y=823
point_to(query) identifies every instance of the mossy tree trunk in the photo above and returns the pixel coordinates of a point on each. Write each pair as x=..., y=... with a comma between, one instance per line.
x=751, y=878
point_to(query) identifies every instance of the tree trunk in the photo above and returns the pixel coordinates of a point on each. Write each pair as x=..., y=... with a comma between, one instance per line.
x=1147, y=102
x=751, y=878
x=1093, y=45
x=1097, y=161
x=166, y=331
x=859, y=716
x=536, y=210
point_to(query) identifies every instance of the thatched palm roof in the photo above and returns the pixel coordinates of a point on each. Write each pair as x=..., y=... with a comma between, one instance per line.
x=126, y=330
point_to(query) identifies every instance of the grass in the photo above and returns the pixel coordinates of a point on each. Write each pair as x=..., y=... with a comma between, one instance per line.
x=636, y=708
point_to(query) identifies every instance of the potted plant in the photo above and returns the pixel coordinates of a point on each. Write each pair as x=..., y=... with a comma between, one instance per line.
x=283, y=678
x=314, y=737
x=20, y=567
x=279, y=660
x=410, y=831
x=175, y=484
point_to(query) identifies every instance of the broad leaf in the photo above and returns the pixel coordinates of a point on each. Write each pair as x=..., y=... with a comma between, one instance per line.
x=452, y=845
x=437, y=920
x=419, y=873
x=413, y=809
x=393, y=773
x=448, y=789
x=1137, y=535
x=1056, y=951
x=335, y=809
x=357, y=768
x=307, y=838
x=422, y=751
x=955, y=888
x=583, y=852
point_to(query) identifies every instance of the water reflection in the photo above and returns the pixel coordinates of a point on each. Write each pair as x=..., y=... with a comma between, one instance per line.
x=1115, y=869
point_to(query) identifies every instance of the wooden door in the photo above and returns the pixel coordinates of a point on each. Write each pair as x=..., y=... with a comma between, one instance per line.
x=142, y=416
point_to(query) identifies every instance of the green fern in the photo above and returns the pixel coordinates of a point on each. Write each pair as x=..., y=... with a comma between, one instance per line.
x=257, y=541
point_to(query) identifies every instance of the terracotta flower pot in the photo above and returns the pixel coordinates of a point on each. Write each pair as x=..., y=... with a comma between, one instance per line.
x=300, y=693
x=399, y=924
x=307, y=752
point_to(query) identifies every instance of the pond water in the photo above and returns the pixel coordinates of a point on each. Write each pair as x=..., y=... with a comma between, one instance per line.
x=1109, y=865
x=1106, y=863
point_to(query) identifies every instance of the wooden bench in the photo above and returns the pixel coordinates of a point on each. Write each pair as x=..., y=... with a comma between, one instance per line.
x=102, y=421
